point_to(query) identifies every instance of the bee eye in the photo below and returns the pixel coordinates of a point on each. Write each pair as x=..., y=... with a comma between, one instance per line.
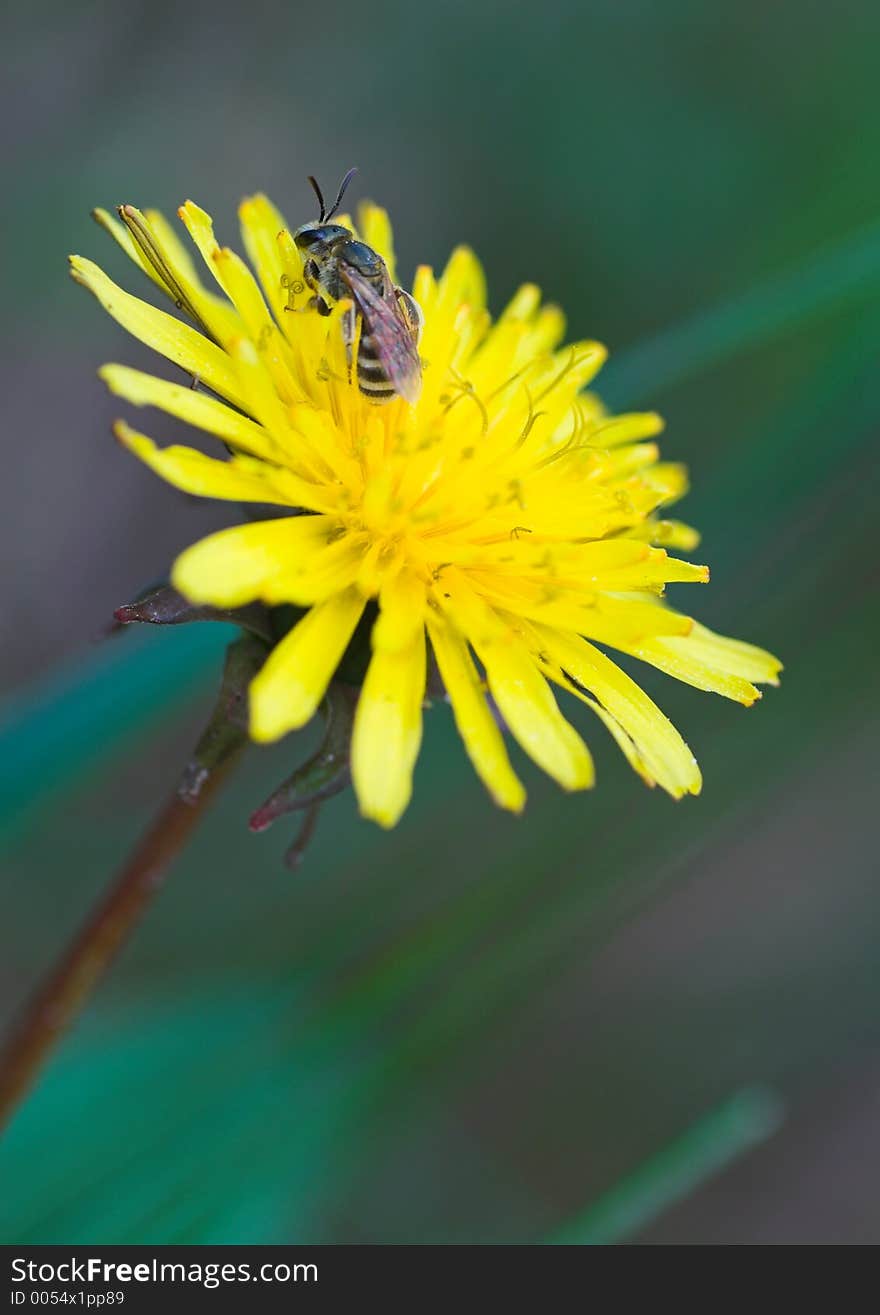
x=318, y=237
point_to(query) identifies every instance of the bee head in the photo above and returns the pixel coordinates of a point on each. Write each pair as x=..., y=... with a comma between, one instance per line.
x=314, y=238
x=320, y=234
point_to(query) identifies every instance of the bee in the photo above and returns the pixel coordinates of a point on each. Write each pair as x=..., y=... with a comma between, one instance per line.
x=337, y=266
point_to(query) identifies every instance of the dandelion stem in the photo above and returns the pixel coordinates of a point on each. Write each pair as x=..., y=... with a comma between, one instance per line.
x=66, y=991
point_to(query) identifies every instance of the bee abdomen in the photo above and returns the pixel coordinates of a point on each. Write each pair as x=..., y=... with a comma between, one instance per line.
x=372, y=378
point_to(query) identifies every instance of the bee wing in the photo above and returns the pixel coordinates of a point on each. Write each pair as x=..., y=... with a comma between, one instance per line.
x=391, y=334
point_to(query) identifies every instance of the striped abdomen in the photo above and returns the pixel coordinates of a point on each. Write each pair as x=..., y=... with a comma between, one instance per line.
x=384, y=324
x=371, y=374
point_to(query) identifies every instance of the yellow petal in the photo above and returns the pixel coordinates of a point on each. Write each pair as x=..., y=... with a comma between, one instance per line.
x=668, y=534
x=388, y=731
x=402, y=612
x=600, y=616
x=256, y=385
x=615, y=431
x=668, y=480
x=174, y=248
x=260, y=225
x=186, y=347
x=296, y=291
x=636, y=618
x=220, y=314
x=530, y=710
x=730, y=655
x=712, y=662
x=188, y=404
x=613, y=564
x=218, y=319
x=319, y=575
x=243, y=291
x=667, y=570
x=659, y=746
x=463, y=279
x=523, y=305
x=519, y=689
x=238, y=480
x=287, y=691
x=424, y=287
x=238, y=565
x=229, y=270
x=570, y=369
x=476, y=724
x=200, y=226
x=121, y=235
x=674, y=655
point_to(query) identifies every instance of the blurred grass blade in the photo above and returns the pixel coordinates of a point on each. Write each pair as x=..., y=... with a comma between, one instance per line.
x=849, y=273
x=67, y=723
x=745, y=1120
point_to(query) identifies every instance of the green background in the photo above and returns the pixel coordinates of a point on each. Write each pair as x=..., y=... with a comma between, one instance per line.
x=616, y=1018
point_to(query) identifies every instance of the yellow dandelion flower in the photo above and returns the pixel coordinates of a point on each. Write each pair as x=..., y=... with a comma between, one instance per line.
x=505, y=523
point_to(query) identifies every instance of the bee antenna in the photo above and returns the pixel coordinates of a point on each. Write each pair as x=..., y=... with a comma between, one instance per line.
x=340, y=194
x=316, y=189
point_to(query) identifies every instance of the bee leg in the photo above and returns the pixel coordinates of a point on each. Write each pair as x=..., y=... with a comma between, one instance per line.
x=316, y=303
x=313, y=304
x=411, y=312
x=350, y=335
x=311, y=275
x=294, y=287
